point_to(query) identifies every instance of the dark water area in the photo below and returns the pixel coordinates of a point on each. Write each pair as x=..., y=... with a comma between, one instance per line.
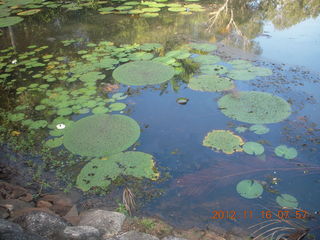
x=283, y=36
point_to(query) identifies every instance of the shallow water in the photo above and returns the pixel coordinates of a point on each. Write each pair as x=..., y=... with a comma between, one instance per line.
x=276, y=35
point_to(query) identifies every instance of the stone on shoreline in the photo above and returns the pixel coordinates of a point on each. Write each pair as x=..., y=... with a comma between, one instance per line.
x=107, y=222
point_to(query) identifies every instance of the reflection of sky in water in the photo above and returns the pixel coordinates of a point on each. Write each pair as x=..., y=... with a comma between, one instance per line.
x=297, y=45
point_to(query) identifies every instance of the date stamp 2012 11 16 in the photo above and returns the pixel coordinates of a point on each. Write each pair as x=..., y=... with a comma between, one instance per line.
x=263, y=214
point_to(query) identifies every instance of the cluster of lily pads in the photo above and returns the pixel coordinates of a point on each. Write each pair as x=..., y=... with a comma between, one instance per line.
x=151, y=8
x=12, y=10
x=251, y=189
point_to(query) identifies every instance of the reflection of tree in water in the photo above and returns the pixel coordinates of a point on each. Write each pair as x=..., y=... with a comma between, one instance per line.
x=238, y=22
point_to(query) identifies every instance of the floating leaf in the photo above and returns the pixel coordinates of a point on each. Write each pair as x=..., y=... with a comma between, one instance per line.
x=259, y=129
x=182, y=100
x=206, y=59
x=287, y=201
x=29, y=12
x=253, y=148
x=286, y=152
x=241, y=129
x=210, y=83
x=249, y=189
x=54, y=142
x=9, y=21
x=149, y=15
x=100, y=173
x=101, y=135
x=143, y=73
x=222, y=140
x=213, y=69
x=255, y=107
x=16, y=117
x=117, y=106
x=205, y=47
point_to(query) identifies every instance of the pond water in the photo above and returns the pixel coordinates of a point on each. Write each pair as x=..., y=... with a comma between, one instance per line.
x=56, y=68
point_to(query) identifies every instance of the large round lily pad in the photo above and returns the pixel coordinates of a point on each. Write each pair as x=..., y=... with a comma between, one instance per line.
x=143, y=73
x=101, y=135
x=287, y=201
x=210, y=83
x=249, y=189
x=255, y=107
x=100, y=173
x=222, y=140
x=253, y=148
x=286, y=152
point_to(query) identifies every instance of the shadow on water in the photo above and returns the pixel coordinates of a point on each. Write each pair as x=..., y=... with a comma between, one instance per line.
x=202, y=180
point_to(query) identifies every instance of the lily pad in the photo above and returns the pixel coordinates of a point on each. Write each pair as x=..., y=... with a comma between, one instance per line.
x=213, y=69
x=255, y=107
x=253, y=148
x=249, y=189
x=259, y=129
x=210, y=83
x=54, y=142
x=101, y=135
x=222, y=140
x=100, y=173
x=241, y=129
x=205, y=47
x=143, y=73
x=182, y=100
x=29, y=12
x=117, y=106
x=206, y=59
x=287, y=201
x=9, y=21
x=286, y=152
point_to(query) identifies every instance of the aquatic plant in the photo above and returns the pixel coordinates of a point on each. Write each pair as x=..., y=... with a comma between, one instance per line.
x=210, y=83
x=255, y=107
x=286, y=152
x=241, y=129
x=253, y=148
x=100, y=173
x=287, y=201
x=259, y=129
x=204, y=47
x=249, y=189
x=9, y=21
x=222, y=140
x=101, y=135
x=143, y=73
x=206, y=59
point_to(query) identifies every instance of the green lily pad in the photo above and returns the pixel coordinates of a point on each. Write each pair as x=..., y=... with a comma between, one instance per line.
x=240, y=64
x=150, y=15
x=54, y=142
x=241, y=129
x=29, y=12
x=143, y=73
x=287, y=201
x=206, y=59
x=204, y=47
x=100, y=173
x=255, y=107
x=210, y=83
x=40, y=107
x=38, y=124
x=64, y=111
x=222, y=140
x=286, y=152
x=253, y=148
x=9, y=21
x=140, y=56
x=101, y=135
x=151, y=9
x=178, y=54
x=177, y=9
x=213, y=69
x=117, y=106
x=249, y=189
x=16, y=117
x=100, y=110
x=242, y=74
x=259, y=129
